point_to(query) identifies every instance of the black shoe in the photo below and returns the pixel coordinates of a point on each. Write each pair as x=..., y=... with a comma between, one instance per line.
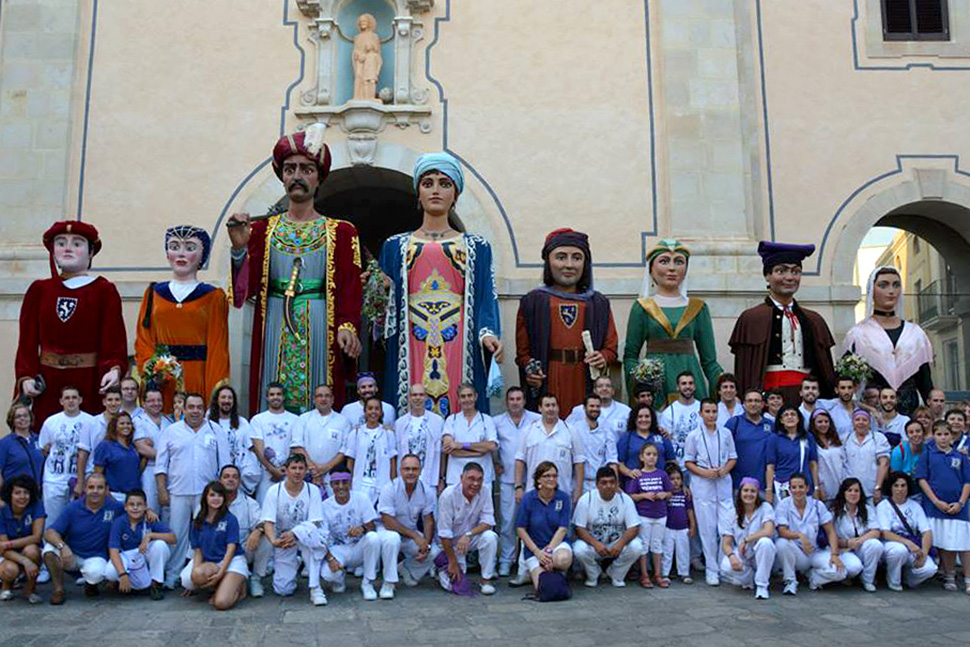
x=91, y=590
x=156, y=592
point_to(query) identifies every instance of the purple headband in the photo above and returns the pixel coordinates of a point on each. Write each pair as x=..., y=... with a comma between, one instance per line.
x=363, y=377
x=862, y=412
x=749, y=480
x=339, y=476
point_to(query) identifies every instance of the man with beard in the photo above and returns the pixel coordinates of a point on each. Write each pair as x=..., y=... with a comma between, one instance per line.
x=224, y=411
x=682, y=416
x=809, y=396
x=599, y=442
x=890, y=422
x=549, y=327
x=272, y=437
x=614, y=415
x=777, y=343
x=303, y=269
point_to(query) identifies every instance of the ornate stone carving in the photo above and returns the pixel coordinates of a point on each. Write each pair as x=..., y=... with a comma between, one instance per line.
x=357, y=117
x=362, y=148
x=420, y=6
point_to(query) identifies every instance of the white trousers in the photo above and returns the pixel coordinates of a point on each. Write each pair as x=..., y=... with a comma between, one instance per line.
x=864, y=560
x=756, y=565
x=150, y=486
x=366, y=552
x=652, y=533
x=506, y=494
x=287, y=562
x=90, y=568
x=179, y=519
x=590, y=560
x=709, y=512
x=392, y=544
x=259, y=559
x=899, y=558
x=157, y=555
x=792, y=559
x=486, y=544
x=56, y=498
x=677, y=544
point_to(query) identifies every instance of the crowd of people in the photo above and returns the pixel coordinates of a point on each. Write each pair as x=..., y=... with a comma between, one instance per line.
x=149, y=478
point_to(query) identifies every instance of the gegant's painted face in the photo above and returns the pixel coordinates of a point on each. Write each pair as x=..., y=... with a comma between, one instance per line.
x=566, y=264
x=184, y=256
x=886, y=290
x=668, y=270
x=72, y=253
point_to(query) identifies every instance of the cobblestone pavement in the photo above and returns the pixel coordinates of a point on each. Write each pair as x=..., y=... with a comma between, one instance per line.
x=604, y=617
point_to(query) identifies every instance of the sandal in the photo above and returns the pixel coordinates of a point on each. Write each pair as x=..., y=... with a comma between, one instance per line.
x=663, y=582
x=646, y=582
x=949, y=584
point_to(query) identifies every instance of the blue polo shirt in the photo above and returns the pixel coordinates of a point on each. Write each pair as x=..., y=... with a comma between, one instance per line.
x=19, y=456
x=87, y=532
x=214, y=538
x=947, y=473
x=629, y=444
x=751, y=443
x=788, y=458
x=121, y=465
x=542, y=520
x=15, y=528
x=123, y=537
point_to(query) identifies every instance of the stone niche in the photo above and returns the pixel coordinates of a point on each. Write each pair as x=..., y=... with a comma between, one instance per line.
x=331, y=31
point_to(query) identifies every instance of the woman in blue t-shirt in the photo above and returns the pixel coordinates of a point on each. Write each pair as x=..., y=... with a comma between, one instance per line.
x=214, y=537
x=21, y=527
x=542, y=522
x=117, y=458
x=791, y=450
x=642, y=428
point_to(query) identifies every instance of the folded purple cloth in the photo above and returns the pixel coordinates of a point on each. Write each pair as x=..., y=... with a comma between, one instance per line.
x=462, y=586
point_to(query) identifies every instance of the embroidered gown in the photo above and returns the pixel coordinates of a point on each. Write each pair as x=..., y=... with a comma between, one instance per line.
x=442, y=302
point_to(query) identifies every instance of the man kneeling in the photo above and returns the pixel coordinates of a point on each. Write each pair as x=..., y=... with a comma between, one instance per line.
x=466, y=517
x=77, y=541
x=607, y=527
x=350, y=517
x=407, y=506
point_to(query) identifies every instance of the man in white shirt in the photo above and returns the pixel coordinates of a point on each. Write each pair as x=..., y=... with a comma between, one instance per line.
x=272, y=436
x=353, y=542
x=149, y=425
x=550, y=439
x=682, y=416
x=189, y=454
x=288, y=504
x=509, y=427
x=371, y=453
x=607, y=527
x=418, y=432
x=406, y=506
x=867, y=455
x=367, y=388
x=728, y=404
x=891, y=423
x=614, y=416
x=466, y=517
x=252, y=539
x=840, y=408
x=809, y=393
x=95, y=434
x=224, y=411
x=319, y=435
x=599, y=442
x=59, y=438
x=468, y=436
x=129, y=396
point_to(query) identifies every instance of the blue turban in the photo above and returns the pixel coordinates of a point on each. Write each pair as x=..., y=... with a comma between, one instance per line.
x=184, y=232
x=443, y=163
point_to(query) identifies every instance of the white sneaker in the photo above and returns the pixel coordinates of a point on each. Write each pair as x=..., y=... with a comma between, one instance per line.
x=318, y=597
x=591, y=583
x=713, y=579
x=869, y=587
x=618, y=583
x=761, y=593
x=387, y=591
x=488, y=589
x=791, y=587
x=504, y=570
x=367, y=589
x=519, y=579
x=895, y=587
x=409, y=580
x=813, y=585
x=256, y=587
x=444, y=580
x=43, y=577
x=6, y=596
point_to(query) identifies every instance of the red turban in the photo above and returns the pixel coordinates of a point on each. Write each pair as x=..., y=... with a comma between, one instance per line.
x=76, y=227
x=308, y=143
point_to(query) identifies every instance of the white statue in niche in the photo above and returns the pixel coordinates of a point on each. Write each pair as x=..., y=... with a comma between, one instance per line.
x=367, y=58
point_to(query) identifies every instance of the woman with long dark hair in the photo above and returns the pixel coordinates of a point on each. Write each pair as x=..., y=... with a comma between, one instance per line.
x=857, y=529
x=214, y=537
x=749, y=551
x=21, y=526
x=790, y=451
x=642, y=428
x=831, y=454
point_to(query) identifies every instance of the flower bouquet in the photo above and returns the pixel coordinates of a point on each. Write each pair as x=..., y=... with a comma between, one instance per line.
x=373, y=309
x=855, y=367
x=163, y=367
x=649, y=372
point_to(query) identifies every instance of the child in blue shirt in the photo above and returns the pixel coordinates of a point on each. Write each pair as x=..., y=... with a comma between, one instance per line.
x=681, y=526
x=138, y=549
